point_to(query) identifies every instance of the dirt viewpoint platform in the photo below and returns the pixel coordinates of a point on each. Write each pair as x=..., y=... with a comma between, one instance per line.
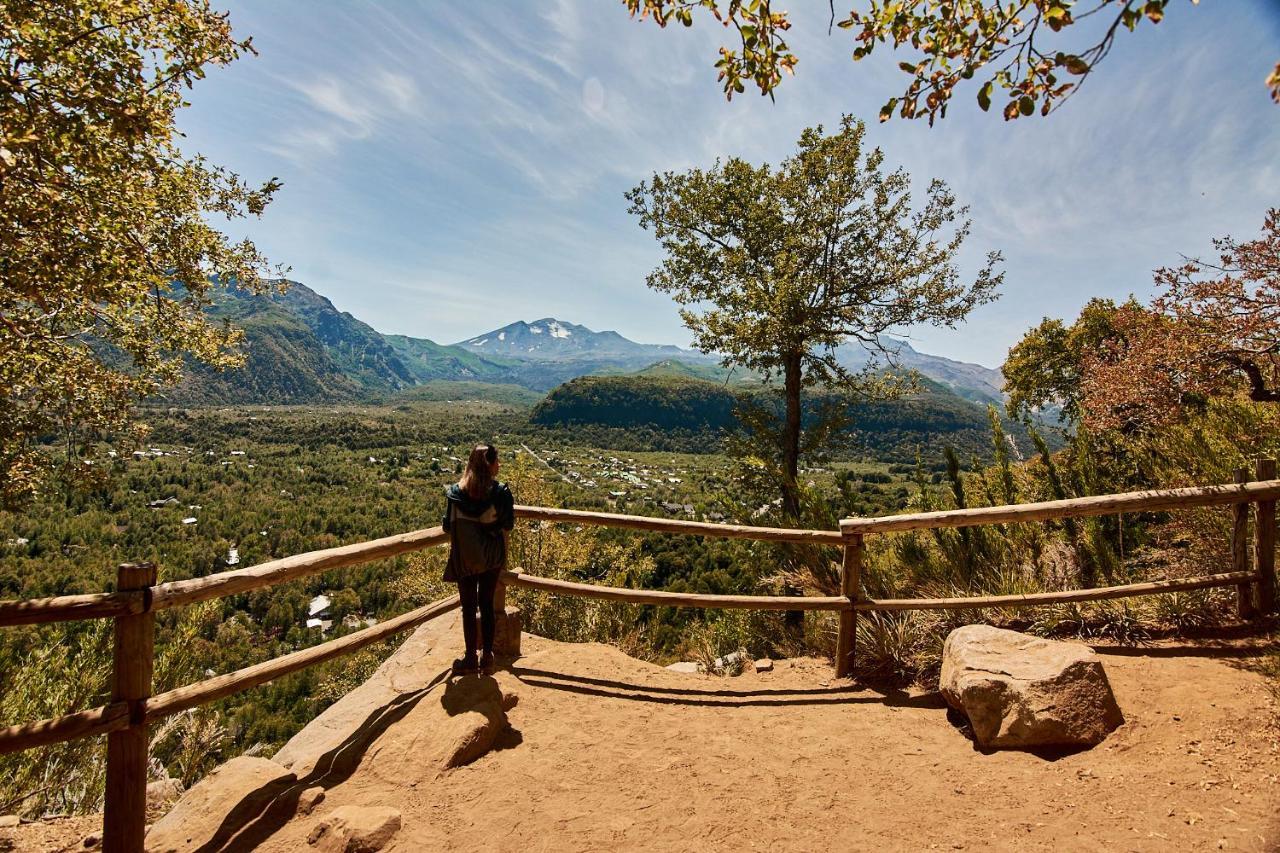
x=606, y=752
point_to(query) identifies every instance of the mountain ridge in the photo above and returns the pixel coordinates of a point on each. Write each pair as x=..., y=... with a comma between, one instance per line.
x=299, y=347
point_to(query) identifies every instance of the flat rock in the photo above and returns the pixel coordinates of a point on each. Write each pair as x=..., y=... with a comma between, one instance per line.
x=230, y=796
x=1025, y=692
x=685, y=666
x=764, y=665
x=355, y=829
x=8, y=820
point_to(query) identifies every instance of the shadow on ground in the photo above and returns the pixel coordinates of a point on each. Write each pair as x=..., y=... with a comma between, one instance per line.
x=850, y=694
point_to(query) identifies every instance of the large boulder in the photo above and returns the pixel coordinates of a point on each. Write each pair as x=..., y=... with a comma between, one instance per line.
x=1022, y=692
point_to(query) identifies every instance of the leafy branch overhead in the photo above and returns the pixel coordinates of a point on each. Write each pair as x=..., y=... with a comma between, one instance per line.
x=1015, y=45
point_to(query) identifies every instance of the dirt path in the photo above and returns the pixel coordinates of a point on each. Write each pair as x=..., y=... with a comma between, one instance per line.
x=610, y=753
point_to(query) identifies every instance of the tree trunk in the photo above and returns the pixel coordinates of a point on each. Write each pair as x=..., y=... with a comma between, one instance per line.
x=790, y=476
x=791, y=440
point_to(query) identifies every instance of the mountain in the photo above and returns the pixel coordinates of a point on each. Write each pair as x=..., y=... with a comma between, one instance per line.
x=971, y=381
x=300, y=348
x=550, y=339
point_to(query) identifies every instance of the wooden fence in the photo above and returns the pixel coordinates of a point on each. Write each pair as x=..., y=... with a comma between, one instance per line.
x=138, y=597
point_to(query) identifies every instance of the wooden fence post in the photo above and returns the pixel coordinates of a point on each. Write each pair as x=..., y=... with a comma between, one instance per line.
x=850, y=586
x=1240, y=550
x=1264, y=541
x=124, y=822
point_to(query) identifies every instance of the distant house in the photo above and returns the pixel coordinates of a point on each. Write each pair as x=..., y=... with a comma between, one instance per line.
x=319, y=606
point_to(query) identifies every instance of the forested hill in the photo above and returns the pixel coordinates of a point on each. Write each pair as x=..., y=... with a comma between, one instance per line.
x=894, y=429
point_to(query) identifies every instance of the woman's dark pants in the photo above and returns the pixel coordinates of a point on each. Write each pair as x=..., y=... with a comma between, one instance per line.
x=478, y=590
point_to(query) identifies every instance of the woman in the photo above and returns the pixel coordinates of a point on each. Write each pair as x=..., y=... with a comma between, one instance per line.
x=479, y=513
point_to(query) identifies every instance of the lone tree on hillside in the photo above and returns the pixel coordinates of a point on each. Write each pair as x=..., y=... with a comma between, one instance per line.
x=106, y=248
x=781, y=266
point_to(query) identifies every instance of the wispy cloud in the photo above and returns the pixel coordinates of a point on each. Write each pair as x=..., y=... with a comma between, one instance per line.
x=446, y=162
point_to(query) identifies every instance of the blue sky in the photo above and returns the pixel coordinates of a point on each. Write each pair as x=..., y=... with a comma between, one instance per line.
x=453, y=167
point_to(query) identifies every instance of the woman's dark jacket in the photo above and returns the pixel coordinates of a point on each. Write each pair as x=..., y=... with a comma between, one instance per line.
x=478, y=530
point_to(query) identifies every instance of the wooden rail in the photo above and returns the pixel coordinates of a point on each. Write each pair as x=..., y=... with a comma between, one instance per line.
x=1101, y=593
x=66, y=608
x=1150, y=501
x=676, y=599
x=211, y=689
x=82, y=724
x=182, y=593
x=670, y=525
x=126, y=718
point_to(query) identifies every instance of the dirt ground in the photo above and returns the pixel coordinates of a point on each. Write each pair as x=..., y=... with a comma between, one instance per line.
x=610, y=753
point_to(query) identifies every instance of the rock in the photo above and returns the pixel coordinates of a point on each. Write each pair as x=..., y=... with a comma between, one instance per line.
x=92, y=840
x=1021, y=691
x=309, y=799
x=443, y=731
x=334, y=741
x=355, y=829
x=9, y=820
x=225, y=800
x=685, y=666
x=161, y=795
x=506, y=633
x=764, y=665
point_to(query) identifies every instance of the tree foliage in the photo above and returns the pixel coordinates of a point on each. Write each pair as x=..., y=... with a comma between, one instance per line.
x=778, y=267
x=106, y=249
x=1046, y=368
x=1212, y=330
x=950, y=41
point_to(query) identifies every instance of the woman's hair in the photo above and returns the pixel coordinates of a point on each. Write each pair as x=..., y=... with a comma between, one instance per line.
x=477, y=478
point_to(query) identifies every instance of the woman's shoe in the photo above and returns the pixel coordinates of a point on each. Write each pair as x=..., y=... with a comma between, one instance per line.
x=487, y=664
x=466, y=666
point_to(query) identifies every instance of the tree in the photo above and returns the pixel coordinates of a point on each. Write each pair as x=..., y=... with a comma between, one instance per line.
x=783, y=265
x=107, y=255
x=1046, y=368
x=1212, y=330
x=952, y=41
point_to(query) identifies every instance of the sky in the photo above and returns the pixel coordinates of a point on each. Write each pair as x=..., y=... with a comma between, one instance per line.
x=450, y=168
